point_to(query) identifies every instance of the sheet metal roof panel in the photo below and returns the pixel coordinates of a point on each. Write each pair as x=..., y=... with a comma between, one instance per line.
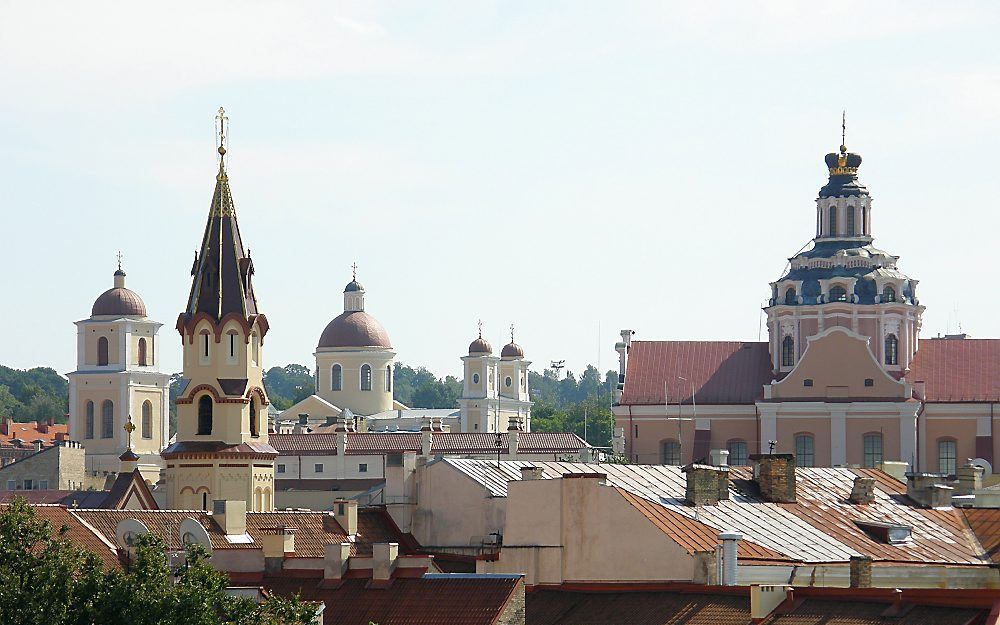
x=958, y=370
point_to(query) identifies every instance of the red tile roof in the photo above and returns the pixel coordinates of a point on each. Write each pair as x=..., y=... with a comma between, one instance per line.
x=377, y=443
x=429, y=600
x=79, y=533
x=31, y=431
x=722, y=372
x=559, y=607
x=958, y=370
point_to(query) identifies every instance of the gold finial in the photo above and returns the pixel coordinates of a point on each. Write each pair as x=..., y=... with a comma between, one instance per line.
x=354, y=271
x=843, y=131
x=222, y=123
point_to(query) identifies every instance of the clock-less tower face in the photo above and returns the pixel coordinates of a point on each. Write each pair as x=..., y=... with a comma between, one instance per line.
x=221, y=451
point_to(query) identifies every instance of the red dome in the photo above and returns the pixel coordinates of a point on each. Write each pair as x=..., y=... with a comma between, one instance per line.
x=354, y=329
x=119, y=301
x=512, y=350
x=480, y=346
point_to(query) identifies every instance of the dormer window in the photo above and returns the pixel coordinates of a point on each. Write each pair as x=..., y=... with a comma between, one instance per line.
x=790, y=298
x=838, y=294
x=888, y=294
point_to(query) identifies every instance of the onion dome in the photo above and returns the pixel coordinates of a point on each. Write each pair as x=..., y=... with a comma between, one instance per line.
x=353, y=286
x=354, y=328
x=480, y=346
x=843, y=175
x=119, y=301
x=512, y=350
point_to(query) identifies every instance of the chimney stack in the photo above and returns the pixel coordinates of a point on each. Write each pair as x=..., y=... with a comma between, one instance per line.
x=531, y=473
x=729, y=544
x=278, y=541
x=336, y=560
x=861, y=572
x=346, y=513
x=970, y=478
x=231, y=515
x=775, y=476
x=706, y=485
x=719, y=457
x=928, y=490
x=513, y=437
x=863, y=491
x=426, y=437
x=385, y=556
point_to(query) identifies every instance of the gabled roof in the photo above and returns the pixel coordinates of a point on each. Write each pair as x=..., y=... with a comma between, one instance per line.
x=958, y=370
x=377, y=443
x=819, y=528
x=721, y=372
x=79, y=533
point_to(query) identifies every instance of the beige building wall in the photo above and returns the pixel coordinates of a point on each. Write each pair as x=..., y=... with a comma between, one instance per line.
x=54, y=468
x=378, y=399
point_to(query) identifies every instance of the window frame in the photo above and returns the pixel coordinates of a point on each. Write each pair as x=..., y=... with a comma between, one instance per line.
x=143, y=360
x=336, y=377
x=146, y=428
x=791, y=296
x=869, y=460
x=365, y=377
x=891, y=349
x=206, y=418
x=788, y=351
x=831, y=297
x=801, y=453
x=107, y=419
x=89, y=418
x=103, y=351
x=832, y=221
x=734, y=457
x=953, y=443
x=675, y=447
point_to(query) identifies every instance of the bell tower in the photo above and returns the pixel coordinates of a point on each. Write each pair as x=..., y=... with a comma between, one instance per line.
x=221, y=451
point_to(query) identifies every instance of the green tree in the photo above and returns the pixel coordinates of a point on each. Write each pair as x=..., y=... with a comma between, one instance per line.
x=288, y=385
x=9, y=405
x=42, y=407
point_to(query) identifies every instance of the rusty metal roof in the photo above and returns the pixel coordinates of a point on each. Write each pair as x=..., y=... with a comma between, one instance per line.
x=379, y=443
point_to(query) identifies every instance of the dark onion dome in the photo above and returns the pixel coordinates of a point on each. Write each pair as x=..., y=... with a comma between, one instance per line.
x=353, y=286
x=512, y=350
x=843, y=175
x=480, y=346
x=119, y=301
x=354, y=329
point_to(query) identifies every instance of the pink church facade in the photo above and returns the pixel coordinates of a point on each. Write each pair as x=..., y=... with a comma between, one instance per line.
x=844, y=378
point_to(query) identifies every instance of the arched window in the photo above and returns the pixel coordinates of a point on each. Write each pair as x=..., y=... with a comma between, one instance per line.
x=254, y=427
x=833, y=221
x=147, y=419
x=891, y=350
x=850, y=221
x=388, y=379
x=142, y=352
x=873, y=450
x=888, y=294
x=102, y=351
x=787, y=351
x=107, y=419
x=255, y=348
x=232, y=346
x=88, y=430
x=336, y=378
x=864, y=220
x=738, y=454
x=670, y=453
x=805, y=451
x=838, y=294
x=947, y=453
x=507, y=381
x=790, y=299
x=205, y=408
x=204, y=346
x=475, y=378
x=366, y=377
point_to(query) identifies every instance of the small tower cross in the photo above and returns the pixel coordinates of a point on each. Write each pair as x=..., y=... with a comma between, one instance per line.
x=843, y=130
x=512, y=333
x=129, y=427
x=480, y=328
x=119, y=260
x=223, y=122
x=354, y=271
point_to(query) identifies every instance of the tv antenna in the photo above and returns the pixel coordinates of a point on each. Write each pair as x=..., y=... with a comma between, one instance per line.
x=558, y=365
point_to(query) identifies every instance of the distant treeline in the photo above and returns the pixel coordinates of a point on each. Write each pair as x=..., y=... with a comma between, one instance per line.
x=33, y=395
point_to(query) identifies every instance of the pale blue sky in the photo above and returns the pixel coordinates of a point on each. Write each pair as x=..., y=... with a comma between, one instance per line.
x=558, y=165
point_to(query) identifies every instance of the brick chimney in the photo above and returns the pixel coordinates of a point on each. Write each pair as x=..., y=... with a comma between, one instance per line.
x=861, y=572
x=863, y=491
x=531, y=473
x=384, y=556
x=775, y=476
x=706, y=485
x=346, y=513
x=970, y=478
x=336, y=560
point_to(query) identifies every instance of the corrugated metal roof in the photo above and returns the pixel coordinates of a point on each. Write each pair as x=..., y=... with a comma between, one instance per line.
x=818, y=528
x=958, y=370
x=722, y=372
x=377, y=443
x=985, y=522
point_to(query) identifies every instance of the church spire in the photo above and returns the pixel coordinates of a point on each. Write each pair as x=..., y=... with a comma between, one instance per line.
x=222, y=272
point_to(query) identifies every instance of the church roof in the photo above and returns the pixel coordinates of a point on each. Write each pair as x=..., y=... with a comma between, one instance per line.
x=222, y=269
x=354, y=329
x=957, y=370
x=721, y=372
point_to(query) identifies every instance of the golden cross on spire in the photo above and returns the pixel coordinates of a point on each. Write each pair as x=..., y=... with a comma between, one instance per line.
x=129, y=428
x=119, y=260
x=354, y=271
x=843, y=130
x=222, y=122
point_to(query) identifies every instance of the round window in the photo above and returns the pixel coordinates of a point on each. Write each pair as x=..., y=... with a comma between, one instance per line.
x=507, y=382
x=475, y=378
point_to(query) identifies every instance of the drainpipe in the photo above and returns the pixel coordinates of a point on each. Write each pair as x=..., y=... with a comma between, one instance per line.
x=729, y=541
x=920, y=413
x=631, y=434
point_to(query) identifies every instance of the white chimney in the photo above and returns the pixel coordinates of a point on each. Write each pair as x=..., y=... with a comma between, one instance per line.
x=385, y=556
x=335, y=560
x=729, y=543
x=720, y=457
x=346, y=513
x=231, y=515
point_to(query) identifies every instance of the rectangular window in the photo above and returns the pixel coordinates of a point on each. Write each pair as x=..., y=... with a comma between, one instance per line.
x=873, y=450
x=318, y=467
x=27, y=484
x=946, y=457
x=804, y=451
x=636, y=434
x=11, y=485
x=281, y=468
x=807, y=382
x=43, y=485
x=362, y=468
x=738, y=453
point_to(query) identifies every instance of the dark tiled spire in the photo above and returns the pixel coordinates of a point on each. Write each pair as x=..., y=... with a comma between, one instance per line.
x=222, y=271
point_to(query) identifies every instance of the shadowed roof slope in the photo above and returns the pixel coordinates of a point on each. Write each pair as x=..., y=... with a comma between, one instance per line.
x=722, y=372
x=958, y=370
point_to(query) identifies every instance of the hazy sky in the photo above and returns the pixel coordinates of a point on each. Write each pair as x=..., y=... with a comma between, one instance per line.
x=562, y=166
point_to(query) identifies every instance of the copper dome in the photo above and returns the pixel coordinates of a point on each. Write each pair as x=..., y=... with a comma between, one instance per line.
x=119, y=301
x=354, y=329
x=480, y=346
x=512, y=350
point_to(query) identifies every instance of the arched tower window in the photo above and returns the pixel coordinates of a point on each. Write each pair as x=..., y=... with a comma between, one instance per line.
x=388, y=378
x=670, y=452
x=850, y=222
x=107, y=419
x=888, y=294
x=838, y=294
x=147, y=419
x=205, y=342
x=366, y=377
x=102, y=351
x=891, y=350
x=790, y=298
x=142, y=352
x=232, y=346
x=205, y=409
x=254, y=427
x=336, y=378
x=787, y=351
x=833, y=221
x=88, y=429
x=864, y=220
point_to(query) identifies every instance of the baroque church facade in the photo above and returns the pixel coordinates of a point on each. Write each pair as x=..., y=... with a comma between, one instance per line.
x=844, y=379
